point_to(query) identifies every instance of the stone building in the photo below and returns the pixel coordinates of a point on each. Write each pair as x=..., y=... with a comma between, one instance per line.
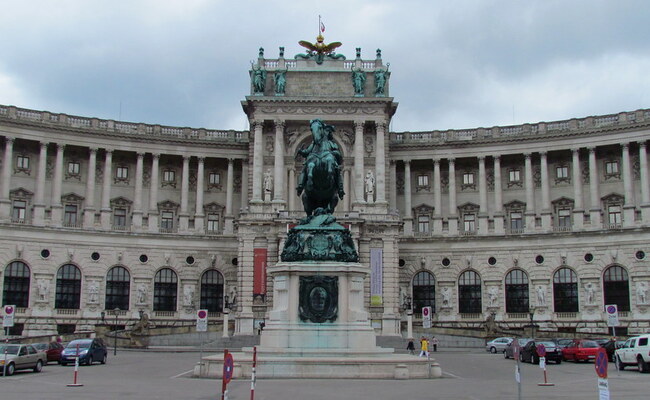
x=107, y=219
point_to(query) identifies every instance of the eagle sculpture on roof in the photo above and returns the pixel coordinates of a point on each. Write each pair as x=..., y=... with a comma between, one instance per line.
x=319, y=50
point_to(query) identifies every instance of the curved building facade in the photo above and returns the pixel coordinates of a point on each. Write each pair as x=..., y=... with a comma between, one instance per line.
x=104, y=220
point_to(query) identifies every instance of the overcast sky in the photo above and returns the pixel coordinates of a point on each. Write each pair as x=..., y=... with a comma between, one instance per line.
x=455, y=64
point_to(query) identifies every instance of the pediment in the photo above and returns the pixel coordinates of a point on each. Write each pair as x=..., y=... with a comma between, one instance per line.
x=563, y=201
x=213, y=207
x=469, y=207
x=515, y=204
x=72, y=198
x=121, y=202
x=613, y=198
x=423, y=209
x=168, y=205
x=20, y=193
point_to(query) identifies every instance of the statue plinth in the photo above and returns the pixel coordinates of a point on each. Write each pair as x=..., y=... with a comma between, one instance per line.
x=319, y=238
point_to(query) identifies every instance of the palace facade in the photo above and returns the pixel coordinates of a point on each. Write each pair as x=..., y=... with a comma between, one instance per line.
x=104, y=220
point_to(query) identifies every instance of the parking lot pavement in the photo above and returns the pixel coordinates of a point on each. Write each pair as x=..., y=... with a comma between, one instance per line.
x=467, y=375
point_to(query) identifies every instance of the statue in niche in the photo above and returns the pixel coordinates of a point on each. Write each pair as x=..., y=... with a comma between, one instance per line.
x=358, y=81
x=446, y=297
x=642, y=292
x=280, y=79
x=268, y=181
x=369, y=185
x=43, y=287
x=541, y=296
x=590, y=291
x=142, y=294
x=188, y=295
x=233, y=296
x=493, y=296
x=259, y=79
x=93, y=293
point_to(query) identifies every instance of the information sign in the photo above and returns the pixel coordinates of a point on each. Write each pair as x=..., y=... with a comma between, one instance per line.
x=202, y=321
x=426, y=317
x=8, y=317
x=612, y=314
x=542, y=362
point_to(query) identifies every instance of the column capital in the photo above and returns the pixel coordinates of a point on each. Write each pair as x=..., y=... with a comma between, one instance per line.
x=625, y=146
x=481, y=159
x=543, y=153
x=156, y=156
x=436, y=161
x=231, y=160
x=108, y=151
x=201, y=159
x=451, y=160
x=140, y=154
x=279, y=124
x=256, y=123
x=642, y=144
x=497, y=157
x=592, y=149
x=60, y=146
x=575, y=150
x=9, y=140
x=93, y=150
x=381, y=124
x=359, y=124
x=527, y=156
x=44, y=144
x=407, y=161
x=186, y=157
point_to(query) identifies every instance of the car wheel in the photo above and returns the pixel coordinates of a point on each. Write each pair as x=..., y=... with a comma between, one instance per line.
x=63, y=363
x=521, y=357
x=11, y=368
x=104, y=359
x=90, y=360
x=39, y=366
x=505, y=355
x=559, y=361
x=643, y=366
x=620, y=364
x=534, y=360
x=493, y=350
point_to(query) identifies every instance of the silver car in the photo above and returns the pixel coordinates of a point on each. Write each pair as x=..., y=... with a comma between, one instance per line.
x=20, y=356
x=498, y=345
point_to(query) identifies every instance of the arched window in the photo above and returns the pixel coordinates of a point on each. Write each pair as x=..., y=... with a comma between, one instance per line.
x=469, y=293
x=164, y=290
x=118, y=286
x=68, y=287
x=212, y=291
x=565, y=290
x=616, y=287
x=516, y=291
x=424, y=291
x=16, y=285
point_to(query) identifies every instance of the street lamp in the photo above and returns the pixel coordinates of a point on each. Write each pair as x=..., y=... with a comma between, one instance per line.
x=531, y=313
x=116, y=311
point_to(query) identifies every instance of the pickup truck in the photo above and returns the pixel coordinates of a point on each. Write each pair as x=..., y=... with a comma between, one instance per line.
x=635, y=351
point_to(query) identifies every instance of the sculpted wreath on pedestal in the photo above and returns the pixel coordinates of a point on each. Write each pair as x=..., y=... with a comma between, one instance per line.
x=318, y=237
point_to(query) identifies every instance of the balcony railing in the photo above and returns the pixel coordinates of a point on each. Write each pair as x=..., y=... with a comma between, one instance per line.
x=566, y=315
x=67, y=311
x=164, y=313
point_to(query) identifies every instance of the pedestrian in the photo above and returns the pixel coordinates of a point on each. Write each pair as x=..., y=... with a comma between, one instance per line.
x=434, y=343
x=411, y=347
x=424, y=347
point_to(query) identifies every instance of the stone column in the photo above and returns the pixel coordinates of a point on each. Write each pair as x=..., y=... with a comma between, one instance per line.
x=380, y=164
x=57, y=181
x=183, y=220
x=137, y=198
x=530, y=193
x=628, y=207
x=5, y=202
x=408, y=213
x=244, y=184
x=453, y=214
x=199, y=216
x=483, y=203
x=153, y=193
x=578, y=205
x=346, y=188
x=291, y=195
x=437, y=198
x=38, y=218
x=230, y=188
x=89, y=210
x=106, y=191
x=498, y=198
x=594, y=206
x=258, y=162
x=278, y=170
x=392, y=198
x=546, y=197
x=358, y=162
x=645, y=190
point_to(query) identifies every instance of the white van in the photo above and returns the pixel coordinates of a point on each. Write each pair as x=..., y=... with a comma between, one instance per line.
x=635, y=351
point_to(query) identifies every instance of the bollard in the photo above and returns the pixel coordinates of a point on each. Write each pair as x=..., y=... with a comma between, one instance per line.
x=76, y=371
x=253, y=373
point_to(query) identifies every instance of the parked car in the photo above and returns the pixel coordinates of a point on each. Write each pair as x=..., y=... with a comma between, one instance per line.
x=581, y=350
x=562, y=343
x=90, y=350
x=498, y=345
x=635, y=351
x=21, y=356
x=52, y=349
x=611, y=346
x=529, y=352
x=510, y=348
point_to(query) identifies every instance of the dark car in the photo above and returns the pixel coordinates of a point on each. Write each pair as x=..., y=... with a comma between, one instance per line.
x=529, y=353
x=611, y=346
x=509, y=351
x=89, y=351
x=52, y=349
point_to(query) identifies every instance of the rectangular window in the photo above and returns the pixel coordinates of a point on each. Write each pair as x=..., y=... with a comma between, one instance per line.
x=167, y=220
x=611, y=167
x=73, y=168
x=468, y=178
x=213, y=222
x=564, y=218
x=70, y=215
x=514, y=175
x=169, y=176
x=516, y=221
x=122, y=173
x=423, y=223
x=562, y=172
x=19, y=210
x=22, y=162
x=119, y=217
x=614, y=213
x=214, y=178
x=423, y=180
x=469, y=222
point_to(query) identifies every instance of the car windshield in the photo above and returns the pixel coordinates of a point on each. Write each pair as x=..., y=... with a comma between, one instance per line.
x=83, y=344
x=9, y=349
x=41, y=346
x=589, y=344
x=522, y=342
x=547, y=344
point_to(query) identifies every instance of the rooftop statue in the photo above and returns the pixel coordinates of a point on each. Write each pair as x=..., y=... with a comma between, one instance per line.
x=319, y=51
